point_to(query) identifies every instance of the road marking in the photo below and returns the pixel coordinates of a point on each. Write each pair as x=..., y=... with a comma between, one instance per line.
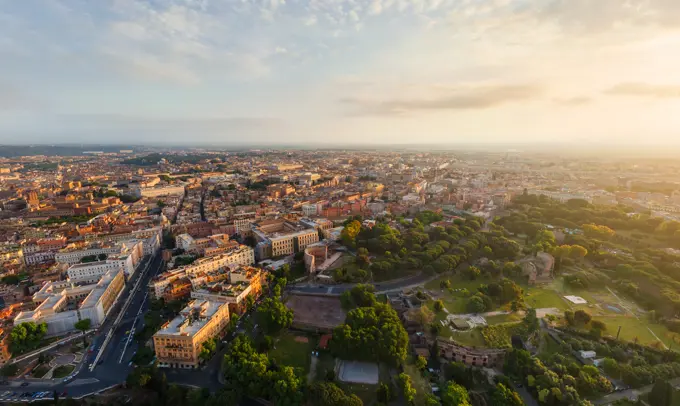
x=83, y=381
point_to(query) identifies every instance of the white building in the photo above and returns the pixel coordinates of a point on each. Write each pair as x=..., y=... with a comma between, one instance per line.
x=133, y=248
x=62, y=304
x=184, y=242
x=158, y=191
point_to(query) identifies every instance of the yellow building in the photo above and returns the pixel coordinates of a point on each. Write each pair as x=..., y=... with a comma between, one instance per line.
x=179, y=342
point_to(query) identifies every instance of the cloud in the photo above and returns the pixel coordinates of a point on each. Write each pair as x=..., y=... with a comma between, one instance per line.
x=11, y=99
x=639, y=89
x=457, y=98
x=572, y=101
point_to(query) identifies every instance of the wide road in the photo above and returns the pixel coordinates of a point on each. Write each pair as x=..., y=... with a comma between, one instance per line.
x=109, y=371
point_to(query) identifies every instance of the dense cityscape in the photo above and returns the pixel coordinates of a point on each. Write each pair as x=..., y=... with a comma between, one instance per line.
x=337, y=277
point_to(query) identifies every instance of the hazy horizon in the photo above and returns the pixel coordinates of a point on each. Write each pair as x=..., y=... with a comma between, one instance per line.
x=336, y=72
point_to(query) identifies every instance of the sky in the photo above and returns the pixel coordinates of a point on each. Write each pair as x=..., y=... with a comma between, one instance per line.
x=340, y=71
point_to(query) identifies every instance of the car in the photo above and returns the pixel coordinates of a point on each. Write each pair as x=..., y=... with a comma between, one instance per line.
x=24, y=384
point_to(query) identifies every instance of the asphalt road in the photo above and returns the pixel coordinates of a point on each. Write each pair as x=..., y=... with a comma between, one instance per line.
x=109, y=372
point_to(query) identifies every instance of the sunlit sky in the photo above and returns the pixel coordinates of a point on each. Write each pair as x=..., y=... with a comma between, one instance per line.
x=340, y=71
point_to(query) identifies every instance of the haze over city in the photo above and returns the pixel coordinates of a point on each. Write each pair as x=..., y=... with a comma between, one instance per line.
x=345, y=71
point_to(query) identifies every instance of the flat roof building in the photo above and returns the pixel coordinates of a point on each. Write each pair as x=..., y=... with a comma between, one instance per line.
x=179, y=342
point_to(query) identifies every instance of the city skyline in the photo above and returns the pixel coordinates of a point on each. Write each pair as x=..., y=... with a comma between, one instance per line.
x=375, y=72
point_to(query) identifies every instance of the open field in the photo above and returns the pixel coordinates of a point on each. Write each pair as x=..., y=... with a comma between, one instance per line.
x=289, y=351
x=316, y=311
x=542, y=297
x=632, y=329
x=503, y=318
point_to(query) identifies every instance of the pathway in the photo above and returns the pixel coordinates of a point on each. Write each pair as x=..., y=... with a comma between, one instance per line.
x=311, y=376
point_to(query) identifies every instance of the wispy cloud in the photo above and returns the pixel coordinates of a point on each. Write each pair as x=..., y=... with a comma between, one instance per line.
x=639, y=89
x=572, y=101
x=458, y=98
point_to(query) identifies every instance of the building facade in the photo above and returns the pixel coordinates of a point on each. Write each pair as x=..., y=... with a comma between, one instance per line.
x=179, y=342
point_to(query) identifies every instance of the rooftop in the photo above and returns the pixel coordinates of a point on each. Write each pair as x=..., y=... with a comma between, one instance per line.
x=191, y=319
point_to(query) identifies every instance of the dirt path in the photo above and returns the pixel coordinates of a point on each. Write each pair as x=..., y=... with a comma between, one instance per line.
x=311, y=376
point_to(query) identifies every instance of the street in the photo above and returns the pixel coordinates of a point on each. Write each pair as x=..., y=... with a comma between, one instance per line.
x=113, y=365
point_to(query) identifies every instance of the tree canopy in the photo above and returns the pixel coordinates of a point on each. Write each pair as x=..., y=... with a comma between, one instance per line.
x=371, y=334
x=273, y=316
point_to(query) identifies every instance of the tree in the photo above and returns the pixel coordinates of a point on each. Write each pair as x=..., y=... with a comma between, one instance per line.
x=421, y=362
x=472, y=272
x=384, y=394
x=445, y=284
x=504, y=396
x=26, y=337
x=371, y=334
x=249, y=373
x=273, y=316
x=476, y=305
x=10, y=280
x=661, y=394
x=83, y=325
x=582, y=317
x=597, y=231
x=208, y=349
x=329, y=394
x=578, y=252
x=350, y=232
x=407, y=388
x=361, y=295
x=531, y=321
x=455, y=395
x=423, y=315
x=438, y=306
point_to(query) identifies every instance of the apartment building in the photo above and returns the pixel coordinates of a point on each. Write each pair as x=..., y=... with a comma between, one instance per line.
x=279, y=237
x=62, y=304
x=233, y=289
x=242, y=255
x=92, y=271
x=158, y=191
x=179, y=342
x=74, y=255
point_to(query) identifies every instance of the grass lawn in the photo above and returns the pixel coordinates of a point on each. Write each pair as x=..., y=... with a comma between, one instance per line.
x=457, y=282
x=40, y=371
x=62, y=371
x=470, y=338
x=393, y=274
x=287, y=351
x=667, y=337
x=367, y=393
x=541, y=298
x=502, y=318
x=631, y=328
